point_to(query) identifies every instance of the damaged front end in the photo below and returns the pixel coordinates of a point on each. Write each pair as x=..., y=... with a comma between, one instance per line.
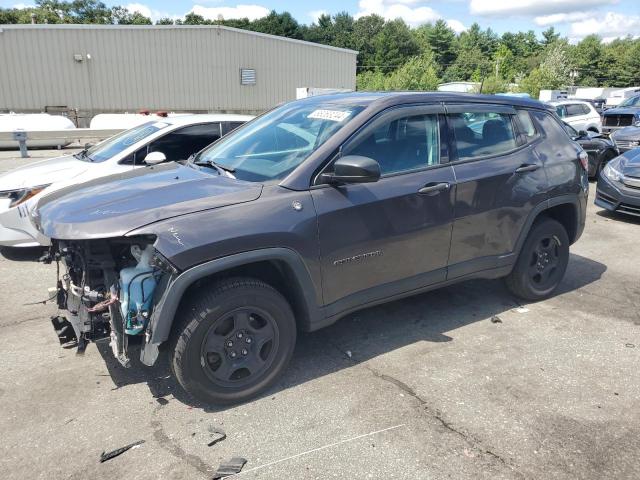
x=109, y=290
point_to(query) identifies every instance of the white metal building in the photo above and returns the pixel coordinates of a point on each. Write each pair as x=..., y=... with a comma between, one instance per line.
x=118, y=68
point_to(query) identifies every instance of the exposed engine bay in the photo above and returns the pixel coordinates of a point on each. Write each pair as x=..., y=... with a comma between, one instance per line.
x=108, y=291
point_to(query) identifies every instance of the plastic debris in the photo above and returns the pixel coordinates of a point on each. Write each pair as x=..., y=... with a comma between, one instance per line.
x=220, y=436
x=629, y=345
x=496, y=319
x=348, y=353
x=114, y=453
x=522, y=310
x=231, y=467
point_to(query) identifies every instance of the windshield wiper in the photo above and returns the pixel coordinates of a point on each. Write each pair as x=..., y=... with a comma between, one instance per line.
x=221, y=168
x=81, y=155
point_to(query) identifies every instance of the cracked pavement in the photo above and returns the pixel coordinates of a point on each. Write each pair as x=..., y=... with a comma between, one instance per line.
x=553, y=391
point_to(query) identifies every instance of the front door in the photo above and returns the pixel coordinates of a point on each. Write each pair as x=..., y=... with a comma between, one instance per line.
x=392, y=236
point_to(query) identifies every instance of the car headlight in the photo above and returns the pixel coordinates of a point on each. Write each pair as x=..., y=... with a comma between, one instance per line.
x=22, y=195
x=612, y=172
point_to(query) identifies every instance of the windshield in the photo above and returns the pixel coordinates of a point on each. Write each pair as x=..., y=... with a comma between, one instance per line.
x=631, y=102
x=273, y=145
x=120, y=142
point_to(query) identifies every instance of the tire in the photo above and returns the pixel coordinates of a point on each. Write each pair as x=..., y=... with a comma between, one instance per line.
x=542, y=262
x=232, y=341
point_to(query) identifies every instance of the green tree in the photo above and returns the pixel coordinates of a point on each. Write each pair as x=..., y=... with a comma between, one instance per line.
x=588, y=57
x=370, y=80
x=550, y=36
x=393, y=45
x=365, y=32
x=418, y=73
x=281, y=24
x=123, y=16
x=440, y=39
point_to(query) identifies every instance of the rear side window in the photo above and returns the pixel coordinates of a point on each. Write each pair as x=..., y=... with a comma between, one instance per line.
x=480, y=134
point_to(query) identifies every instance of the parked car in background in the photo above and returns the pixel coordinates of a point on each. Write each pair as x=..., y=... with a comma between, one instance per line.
x=316, y=209
x=599, y=149
x=581, y=115
x=626, y=138
x=598, y=103
x=618, y=187
x=617, y=97
x=625, y=115
x=166, y=140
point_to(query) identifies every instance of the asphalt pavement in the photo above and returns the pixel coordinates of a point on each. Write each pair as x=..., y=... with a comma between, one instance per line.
x=465, y=382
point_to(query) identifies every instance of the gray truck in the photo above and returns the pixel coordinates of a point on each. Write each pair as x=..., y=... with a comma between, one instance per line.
x=315, y=209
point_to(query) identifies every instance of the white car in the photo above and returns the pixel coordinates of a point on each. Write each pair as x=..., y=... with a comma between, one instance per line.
x=579, y=114
x=169, y=139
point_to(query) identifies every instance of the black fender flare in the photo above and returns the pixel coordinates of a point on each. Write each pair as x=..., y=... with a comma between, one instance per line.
x=570, y=199
x=166, y=306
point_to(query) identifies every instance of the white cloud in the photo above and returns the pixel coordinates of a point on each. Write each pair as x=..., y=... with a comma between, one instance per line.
x=532, y=7
x=315, y=14
x=612, y=25
x=556, y=18
x=20, y=6
x=408, y=10
x=149, y=12
x=456, y=25
x=252, y=12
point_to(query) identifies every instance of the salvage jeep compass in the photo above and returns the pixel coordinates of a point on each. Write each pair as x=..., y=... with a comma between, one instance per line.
x=315, y=209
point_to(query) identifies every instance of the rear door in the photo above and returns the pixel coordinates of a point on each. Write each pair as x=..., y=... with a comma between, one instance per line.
x=392, y=236
x=500, y=178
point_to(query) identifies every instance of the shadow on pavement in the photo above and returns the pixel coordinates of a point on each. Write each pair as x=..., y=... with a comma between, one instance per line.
x=429, y=317
x=620, y=217
x=22, y=254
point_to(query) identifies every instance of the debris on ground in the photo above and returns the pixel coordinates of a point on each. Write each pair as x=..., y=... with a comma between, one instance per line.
x=629, y=345
x=496, y=319
x=348, y=353
x=162, y=401
x=232, y=467
x=114, y=453
x=219, y=436
x=522, y=310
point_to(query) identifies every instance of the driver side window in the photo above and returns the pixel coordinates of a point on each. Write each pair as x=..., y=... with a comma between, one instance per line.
x=400, y=144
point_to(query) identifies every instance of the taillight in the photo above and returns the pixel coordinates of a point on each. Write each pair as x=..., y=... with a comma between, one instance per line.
x=584, y=160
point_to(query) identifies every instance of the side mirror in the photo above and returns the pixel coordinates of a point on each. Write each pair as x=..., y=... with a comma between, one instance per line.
x=354, y=169
x=155, y=158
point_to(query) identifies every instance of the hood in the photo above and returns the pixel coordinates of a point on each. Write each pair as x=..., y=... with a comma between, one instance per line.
x=112, y=206
x=621, y=111
x=43, y=173
x=629, y=164
x=627, y=133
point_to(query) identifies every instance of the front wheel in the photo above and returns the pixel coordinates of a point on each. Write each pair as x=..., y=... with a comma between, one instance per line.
x=233, y=341
x=542, y=261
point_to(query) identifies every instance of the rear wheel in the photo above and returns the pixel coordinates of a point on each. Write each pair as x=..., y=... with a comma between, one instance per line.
x=542, y=262
x=233, y=341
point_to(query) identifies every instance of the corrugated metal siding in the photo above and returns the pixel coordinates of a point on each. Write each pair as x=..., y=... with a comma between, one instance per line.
x=160, y=67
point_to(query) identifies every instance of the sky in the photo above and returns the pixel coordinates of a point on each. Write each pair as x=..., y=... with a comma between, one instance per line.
x=572, y=18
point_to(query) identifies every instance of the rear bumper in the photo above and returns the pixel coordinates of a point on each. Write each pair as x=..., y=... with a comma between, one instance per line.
x=617, y=197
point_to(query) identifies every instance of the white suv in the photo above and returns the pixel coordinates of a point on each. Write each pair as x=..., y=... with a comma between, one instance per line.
x=579, y=114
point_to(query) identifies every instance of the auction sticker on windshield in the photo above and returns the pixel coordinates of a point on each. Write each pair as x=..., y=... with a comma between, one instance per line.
x=333, y=115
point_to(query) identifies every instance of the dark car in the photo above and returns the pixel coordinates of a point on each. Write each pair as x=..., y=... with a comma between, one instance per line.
x=626, y=138
x=619, y=185
x=624, y=115
x=599, y=149
x=316, y=209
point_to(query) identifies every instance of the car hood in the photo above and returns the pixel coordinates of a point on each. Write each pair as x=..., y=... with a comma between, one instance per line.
x=630, y=163
x=622, y=111
x=114, y=205
x=44, y=172
x=627, y=133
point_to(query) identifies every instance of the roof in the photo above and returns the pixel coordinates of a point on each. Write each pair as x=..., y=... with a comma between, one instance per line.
x=367, y=98
x=568, y=100
x=205, y=117
x=73, y=26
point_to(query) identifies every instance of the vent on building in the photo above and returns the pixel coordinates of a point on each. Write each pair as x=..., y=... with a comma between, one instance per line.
x=247, y=76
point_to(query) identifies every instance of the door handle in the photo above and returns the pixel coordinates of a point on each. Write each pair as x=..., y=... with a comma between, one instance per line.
x=527, y=168
x=434, y=188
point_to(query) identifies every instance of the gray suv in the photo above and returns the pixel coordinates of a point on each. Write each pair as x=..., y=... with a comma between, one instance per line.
x=315, y=209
